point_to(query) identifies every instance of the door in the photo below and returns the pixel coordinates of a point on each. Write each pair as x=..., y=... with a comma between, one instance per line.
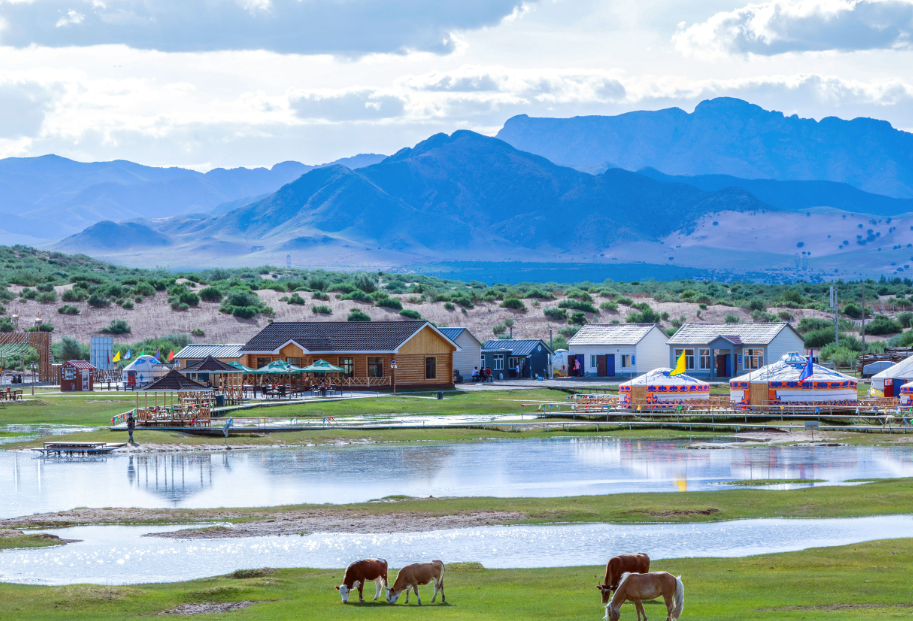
x=722, y=367
x=601, y=370
x=85, y=381
x=638, y=395
x=580, y=368
x=610, y=365
x=889, y=387
x=757, y=394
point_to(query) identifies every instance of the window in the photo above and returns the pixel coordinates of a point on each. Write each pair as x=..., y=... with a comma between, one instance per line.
x=348, y=366
x=430, y=367
x=262, y=362
x=375, y=366
x=754, y=358
x=627, y=360
x=592, y=361
x=689, y=357
x=294, y=361
x=498, y=362
x=69, y=373
x=704, y=355
x=512, y=362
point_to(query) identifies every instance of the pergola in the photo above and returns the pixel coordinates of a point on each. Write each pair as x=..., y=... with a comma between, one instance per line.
x=194, y=402
x=18, y=344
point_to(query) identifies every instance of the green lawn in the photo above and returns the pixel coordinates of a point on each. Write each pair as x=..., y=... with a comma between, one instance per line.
x=862, y=581
x=28, y=541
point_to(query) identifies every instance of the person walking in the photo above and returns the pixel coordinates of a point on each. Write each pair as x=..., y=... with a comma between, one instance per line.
x=131, y=425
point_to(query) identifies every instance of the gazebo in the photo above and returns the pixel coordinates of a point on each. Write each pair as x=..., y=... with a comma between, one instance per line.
x=225, y=379
x=193, y=405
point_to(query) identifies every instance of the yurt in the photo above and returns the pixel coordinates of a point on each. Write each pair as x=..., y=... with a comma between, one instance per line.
x=887, y=383
x=778, y=384
x=143, y=370
x=906, y=394
x=657, y=387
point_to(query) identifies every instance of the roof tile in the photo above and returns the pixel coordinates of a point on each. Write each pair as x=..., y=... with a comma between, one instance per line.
x=517, y=347
x=335, y=336
x=737, y=333
x=612, y=334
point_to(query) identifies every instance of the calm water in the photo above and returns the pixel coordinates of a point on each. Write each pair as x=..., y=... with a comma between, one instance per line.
x=533, y=468
x=120, y=555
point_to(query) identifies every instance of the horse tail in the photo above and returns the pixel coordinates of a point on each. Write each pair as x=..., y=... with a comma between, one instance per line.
x=678, y=603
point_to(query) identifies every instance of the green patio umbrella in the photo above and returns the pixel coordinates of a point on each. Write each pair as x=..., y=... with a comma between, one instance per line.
x=322, y=366
x=240, y=366
x=279, y=367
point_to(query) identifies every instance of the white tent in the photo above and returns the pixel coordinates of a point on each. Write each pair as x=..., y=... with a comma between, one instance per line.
x=892, y=378
x=824, y=387
x=146, y=369
x=906, y=394
x=662, y=388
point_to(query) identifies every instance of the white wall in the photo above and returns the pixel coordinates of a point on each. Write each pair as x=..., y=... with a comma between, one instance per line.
x=652, y=351
x=590, y=350
x=470, y=355
x=785, y=342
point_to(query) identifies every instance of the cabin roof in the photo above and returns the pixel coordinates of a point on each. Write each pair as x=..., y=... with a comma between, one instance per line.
x=337, y=336
x=735, y=333
x=612, y=334
x=517, y=347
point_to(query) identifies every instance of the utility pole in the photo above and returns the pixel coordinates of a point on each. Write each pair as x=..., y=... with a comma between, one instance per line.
x=863, y=317
x=551, y=345
x=836, y=321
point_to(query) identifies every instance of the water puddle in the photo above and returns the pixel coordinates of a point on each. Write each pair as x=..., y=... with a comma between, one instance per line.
x=24, y=433
x=120, y=555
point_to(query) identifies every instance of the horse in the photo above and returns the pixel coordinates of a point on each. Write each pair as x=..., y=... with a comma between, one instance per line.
x=635, y=587
x=618, y=566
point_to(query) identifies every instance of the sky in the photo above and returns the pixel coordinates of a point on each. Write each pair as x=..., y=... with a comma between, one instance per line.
x=226, y=83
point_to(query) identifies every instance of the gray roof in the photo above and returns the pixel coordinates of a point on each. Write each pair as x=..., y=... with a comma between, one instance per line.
x=210, y=365
x=517, y=347
x=454, y=333
x=612, y=334
x=335, y=336
x=736, y=333
x=173, y=382
x=216, y=351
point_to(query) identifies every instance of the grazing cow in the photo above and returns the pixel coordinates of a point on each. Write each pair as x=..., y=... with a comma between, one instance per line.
x=410, y=576
x=637, y=587
x=618, y=566
x=361, y=572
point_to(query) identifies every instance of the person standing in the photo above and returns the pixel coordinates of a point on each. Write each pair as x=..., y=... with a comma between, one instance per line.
x=131, y=425
x=488, y=374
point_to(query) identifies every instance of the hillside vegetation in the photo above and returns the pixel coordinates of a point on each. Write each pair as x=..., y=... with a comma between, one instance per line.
x=78, y=297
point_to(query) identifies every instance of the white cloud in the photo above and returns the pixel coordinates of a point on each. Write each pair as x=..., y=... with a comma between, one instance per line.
x=781, y=26
x=22, y=109
x=344, y=27
x=346, y=106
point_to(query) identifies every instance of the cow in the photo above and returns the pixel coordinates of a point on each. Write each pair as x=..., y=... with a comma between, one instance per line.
x=410, y=576
x=619, y=565
x=361, y=572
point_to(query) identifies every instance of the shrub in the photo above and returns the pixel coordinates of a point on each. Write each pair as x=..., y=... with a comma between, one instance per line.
x=96, y=300
x=6, y=324
x=499, y=329
x=757, y=304
x=296, y=299
x=395, y=304
x=577, y=318
x=69, y=349
x=558, y=314
x=46, y=297
x=128, y=305
x=190, y=299
x=646, y=315
x=117, y=326
x=410, y=314
x=45, y=286
x=577, y=294
x=820, y=337
x=730, y=318
x=855, y=311
x=678, y=323
x=882, y=324
x=807, y=324
x=45, y=327
x=702, y=306
x=785, y=315
x=450, y=306
x=625, y=301
x=320, y=295
x=198, y=332
x=761, y=316
x=366, y=282
x=322, y=309
x=577, y=305
x=342, y=287
x=68, y=310
x=146, y=290
x=539, y=294
x=210, y=294
x=514, y=304
x=244, y=312
x=905, y=319
x=358, y=296
x=176, y=304
x=74, y=295
x=415, y=299
x=611, y=307
x=358, y=315
x=28, y=294
x=568, y=331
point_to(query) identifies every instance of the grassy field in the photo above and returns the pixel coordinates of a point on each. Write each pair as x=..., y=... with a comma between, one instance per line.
x=8, y=542
x=862, y=581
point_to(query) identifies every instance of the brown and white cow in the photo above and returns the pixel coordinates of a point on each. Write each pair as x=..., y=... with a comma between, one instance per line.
x=410, y=576
x=619, y=565
x=359, y=573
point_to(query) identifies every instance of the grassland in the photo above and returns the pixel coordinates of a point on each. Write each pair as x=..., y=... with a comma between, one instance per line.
x=861, y=581
x=13, y=539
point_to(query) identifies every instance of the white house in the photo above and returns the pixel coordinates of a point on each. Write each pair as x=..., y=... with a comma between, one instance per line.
x=725, y=350
x=470, y=353
x=612, y=350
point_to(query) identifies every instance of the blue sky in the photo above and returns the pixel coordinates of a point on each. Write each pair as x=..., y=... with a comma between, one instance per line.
x=206, y=83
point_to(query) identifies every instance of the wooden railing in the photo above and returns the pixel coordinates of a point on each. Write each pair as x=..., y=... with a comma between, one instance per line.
x=366, y=382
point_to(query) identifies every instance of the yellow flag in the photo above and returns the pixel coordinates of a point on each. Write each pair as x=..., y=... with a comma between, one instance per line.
x=116, y=357
x=680, y=365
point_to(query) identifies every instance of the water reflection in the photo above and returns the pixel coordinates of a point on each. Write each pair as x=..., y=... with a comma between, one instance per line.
x=536, y=468
x=120, y=555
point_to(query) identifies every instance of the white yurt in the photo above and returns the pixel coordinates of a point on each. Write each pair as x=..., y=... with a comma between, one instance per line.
x=144, y=369
x=905, y=393
x=657, y=387
x=559, y=361
x=887, y=383
x=778, y=384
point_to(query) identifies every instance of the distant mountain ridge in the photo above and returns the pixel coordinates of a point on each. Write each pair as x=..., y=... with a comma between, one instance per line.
x=729, y=137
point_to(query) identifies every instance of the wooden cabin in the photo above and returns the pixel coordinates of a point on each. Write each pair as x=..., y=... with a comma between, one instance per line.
x=365, y=349
x=77, y=376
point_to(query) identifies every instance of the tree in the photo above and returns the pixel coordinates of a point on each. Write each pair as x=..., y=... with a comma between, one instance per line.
x=70, y=349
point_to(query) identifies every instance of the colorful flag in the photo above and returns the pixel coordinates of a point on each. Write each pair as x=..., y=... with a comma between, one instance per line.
x=809, y=369
x=142, y=353
x=128, y=356
x=157, y=353
x=171, y=355
x=680, y=365
x=116, y=357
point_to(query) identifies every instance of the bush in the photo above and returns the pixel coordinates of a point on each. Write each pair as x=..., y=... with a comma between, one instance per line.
x=855, y=311
x=190, y=299
x=395, y=304
x=761, y=316
x=358, y=315
x=882, y=324
x=577, y=305
x=410, y=314
x=128, y=305
x=625, y=301
x=646, y=315
x=358, y=296
x=296, y=299
x=514, y=304
x=577, y=294
x=28, y=294
x=117, y=326
x=499, y=329
x=366, y=282
x=905, y=319
x=539, y=294
x=45, y=327
x=415, y=299
x=68, y=310
x=558, y=314
x=322, y=309
x=74, y=295
x=96, y=300
x=568, y=331
x=320, y=295
x=69, y=349
x=46, y=297
x=6, y=324
x=210, y=294
x=757, y=304
x=785, y=315
x=730, y=318
x=808, y=324
x=820, y=337
x=244, y=312
x=145, y=289
x=678, y=323
x=198, y=332
x=610, y=307
x=450, y=306
x=577, y=318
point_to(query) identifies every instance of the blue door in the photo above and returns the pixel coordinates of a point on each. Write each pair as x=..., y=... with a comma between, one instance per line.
x=610, y=365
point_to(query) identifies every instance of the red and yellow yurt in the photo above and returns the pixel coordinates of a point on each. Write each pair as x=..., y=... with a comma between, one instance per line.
x=657, y=387
x=906, y=394
x=778, y=384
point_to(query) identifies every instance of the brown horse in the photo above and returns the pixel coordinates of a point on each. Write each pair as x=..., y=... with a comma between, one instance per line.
x=618, y=566
x=636, y=587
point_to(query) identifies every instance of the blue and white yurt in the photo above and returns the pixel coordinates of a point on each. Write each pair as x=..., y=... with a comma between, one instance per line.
x=778, y=384
x=664, y=389
x=143, y=370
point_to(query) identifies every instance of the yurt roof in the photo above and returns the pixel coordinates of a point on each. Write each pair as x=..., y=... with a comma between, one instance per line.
x=661, y=377
x=904, y=368
x=789, y=368
x=142, y=361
